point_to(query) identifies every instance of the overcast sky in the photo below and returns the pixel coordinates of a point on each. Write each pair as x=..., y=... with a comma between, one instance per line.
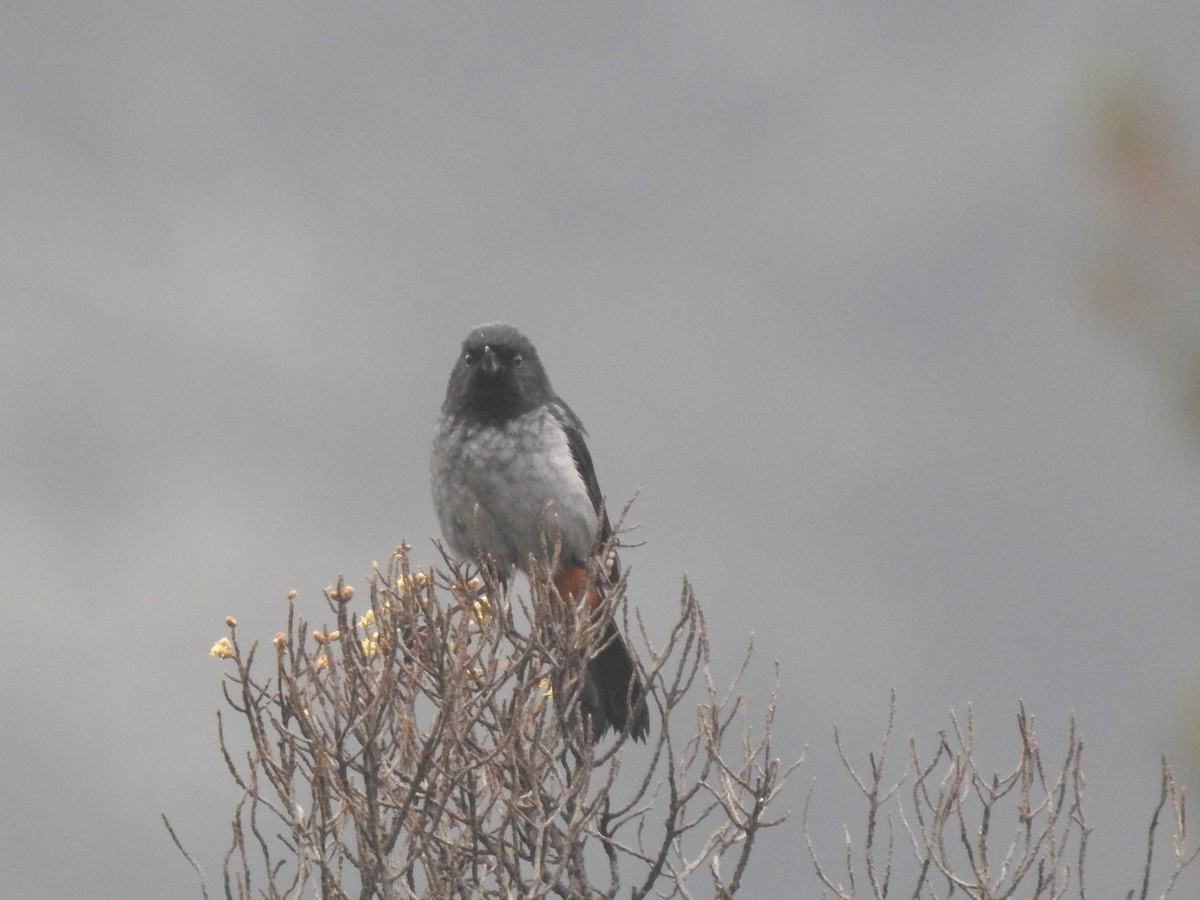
x=824, y=281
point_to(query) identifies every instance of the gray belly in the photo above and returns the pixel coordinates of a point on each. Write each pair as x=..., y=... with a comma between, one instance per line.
x=511, y=491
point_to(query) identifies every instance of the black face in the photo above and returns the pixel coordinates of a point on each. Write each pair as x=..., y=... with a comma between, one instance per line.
x=498, y=375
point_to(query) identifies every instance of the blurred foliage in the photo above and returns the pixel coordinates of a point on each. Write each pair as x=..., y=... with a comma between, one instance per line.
x=1149, y=276
x=1150, y=270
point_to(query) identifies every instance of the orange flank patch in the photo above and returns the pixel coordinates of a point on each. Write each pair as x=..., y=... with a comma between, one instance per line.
x=570, y=583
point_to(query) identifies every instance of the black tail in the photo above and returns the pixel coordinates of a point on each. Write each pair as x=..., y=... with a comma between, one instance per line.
x=614, y=696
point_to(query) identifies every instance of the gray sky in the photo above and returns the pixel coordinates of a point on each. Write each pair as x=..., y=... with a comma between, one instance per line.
x=819, y=279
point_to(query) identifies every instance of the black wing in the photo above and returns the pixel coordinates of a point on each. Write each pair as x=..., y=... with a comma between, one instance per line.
x=576, y=440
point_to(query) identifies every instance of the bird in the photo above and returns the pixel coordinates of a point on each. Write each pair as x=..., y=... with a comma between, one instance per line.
x=513, y=482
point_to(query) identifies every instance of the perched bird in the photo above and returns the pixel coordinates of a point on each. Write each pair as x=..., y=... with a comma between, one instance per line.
x=513, y=478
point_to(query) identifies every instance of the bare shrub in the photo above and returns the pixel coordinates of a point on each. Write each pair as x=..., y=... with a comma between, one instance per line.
x=1017, y=834
x=427, y=747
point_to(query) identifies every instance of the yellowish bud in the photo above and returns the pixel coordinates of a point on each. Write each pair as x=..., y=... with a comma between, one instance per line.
x=370, y=646
x=483, y=610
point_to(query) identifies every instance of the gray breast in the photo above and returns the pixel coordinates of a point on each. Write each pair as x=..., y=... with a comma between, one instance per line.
x=511, y=490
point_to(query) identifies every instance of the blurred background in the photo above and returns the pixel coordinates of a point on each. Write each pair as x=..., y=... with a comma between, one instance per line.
x=891, y=312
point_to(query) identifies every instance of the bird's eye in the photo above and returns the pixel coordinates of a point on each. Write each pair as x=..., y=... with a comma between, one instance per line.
x=470, y=358
x=517, y=360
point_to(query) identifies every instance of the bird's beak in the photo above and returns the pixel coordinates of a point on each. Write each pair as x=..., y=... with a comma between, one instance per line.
x=491, y=363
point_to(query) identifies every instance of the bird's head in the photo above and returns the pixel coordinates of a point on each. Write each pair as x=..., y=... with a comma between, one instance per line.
x=498, y=375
